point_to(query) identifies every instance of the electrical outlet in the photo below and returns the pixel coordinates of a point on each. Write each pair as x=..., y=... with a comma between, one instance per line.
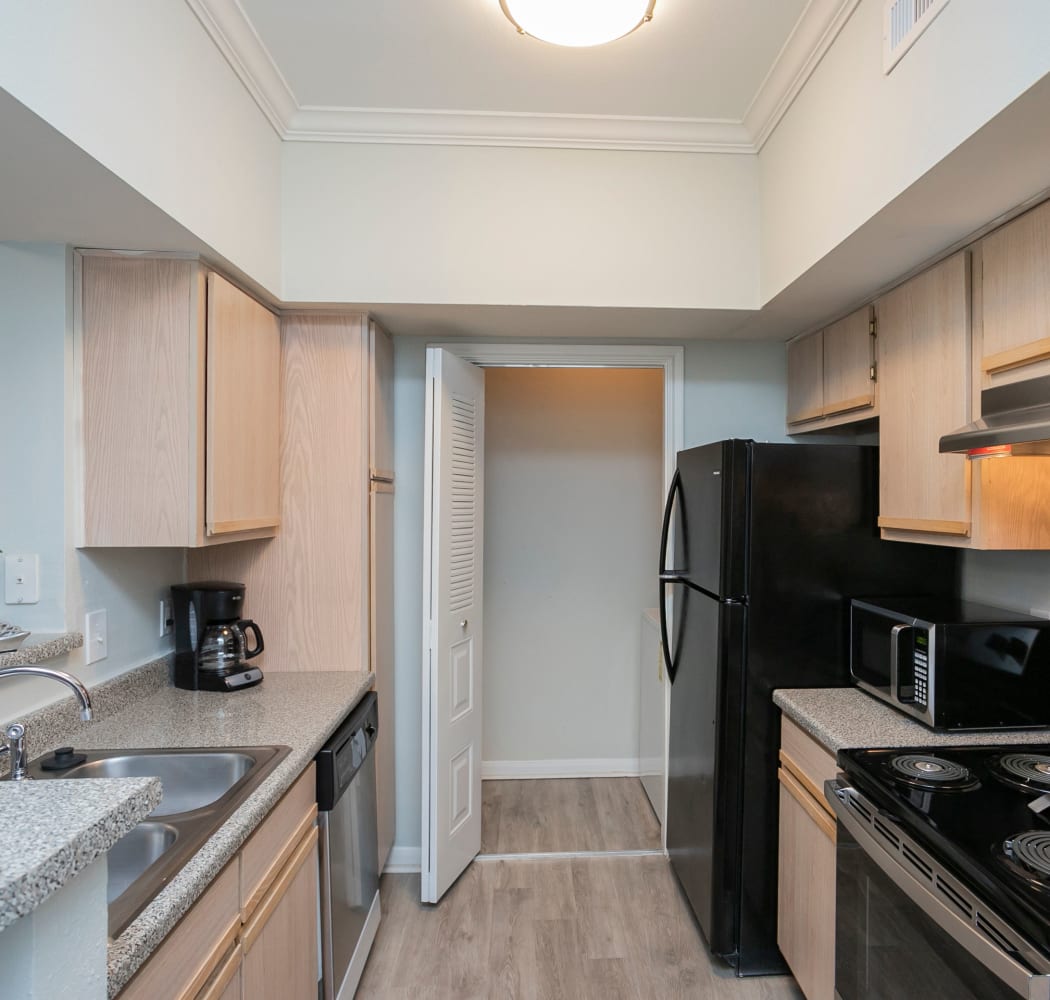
x=22, y=579
x=96, y=642
x=167, y=623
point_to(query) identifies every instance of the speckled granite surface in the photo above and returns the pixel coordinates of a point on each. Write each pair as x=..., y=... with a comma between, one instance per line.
x=847, y=717
x=38, y=648
x=55, y=829
x=300, y=710
x=59, y=722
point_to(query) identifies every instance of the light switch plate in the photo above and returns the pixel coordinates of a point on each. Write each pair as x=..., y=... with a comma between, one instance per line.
x=96, y=643
x=22, y=579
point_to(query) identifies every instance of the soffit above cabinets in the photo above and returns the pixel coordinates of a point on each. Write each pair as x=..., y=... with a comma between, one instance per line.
x=703, y=76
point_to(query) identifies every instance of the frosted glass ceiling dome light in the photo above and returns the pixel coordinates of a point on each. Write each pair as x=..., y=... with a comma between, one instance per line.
x=578, y=22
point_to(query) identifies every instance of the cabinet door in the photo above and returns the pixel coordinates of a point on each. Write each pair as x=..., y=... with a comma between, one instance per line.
x=381, y=596
x=243, y=415
x=848, y=362
x=280, y=940
x=805, y=388
x=137, y=379
x=1016, y=293
x=924, y=350
x=381, y=394
x=806, y=891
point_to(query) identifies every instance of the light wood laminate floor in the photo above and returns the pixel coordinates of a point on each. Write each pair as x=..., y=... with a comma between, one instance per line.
x=612, y=928
x=566, y=814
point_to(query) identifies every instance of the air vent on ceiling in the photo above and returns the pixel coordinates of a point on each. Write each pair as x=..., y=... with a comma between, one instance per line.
x=902, y=23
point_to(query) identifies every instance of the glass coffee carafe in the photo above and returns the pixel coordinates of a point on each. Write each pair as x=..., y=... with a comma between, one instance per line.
x=224, y=648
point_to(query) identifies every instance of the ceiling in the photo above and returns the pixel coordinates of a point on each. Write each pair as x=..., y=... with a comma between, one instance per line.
x=702, y=76
x=697, y=58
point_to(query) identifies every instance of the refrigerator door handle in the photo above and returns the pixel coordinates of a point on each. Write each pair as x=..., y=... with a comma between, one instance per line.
x=665, y=531
x=667, y=576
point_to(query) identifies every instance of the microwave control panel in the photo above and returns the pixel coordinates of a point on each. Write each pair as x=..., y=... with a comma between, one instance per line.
x=921, y=667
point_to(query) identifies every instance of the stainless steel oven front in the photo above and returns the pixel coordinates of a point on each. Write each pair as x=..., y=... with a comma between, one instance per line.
x=907, y=929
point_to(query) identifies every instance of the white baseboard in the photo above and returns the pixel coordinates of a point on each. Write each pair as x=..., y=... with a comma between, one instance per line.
x=597, y=767
x=404, y=861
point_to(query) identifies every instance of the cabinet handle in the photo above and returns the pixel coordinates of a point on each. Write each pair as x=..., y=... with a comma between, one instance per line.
x=215, y=989
x=1017, y=357
x=254, y=927
x=927, y=524
x=845, y=405
x=804, y=799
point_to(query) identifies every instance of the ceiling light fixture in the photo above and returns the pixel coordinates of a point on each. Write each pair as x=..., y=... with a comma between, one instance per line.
x=578, y=23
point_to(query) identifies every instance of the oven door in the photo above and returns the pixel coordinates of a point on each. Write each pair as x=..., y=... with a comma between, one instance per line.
x=901, y=929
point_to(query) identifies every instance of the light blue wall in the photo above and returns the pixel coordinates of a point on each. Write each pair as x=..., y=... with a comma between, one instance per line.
x=36, y=487
x=1019, y=581
x=731, y=390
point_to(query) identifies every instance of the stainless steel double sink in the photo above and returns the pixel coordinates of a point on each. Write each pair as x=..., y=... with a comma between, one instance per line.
x=202, y=788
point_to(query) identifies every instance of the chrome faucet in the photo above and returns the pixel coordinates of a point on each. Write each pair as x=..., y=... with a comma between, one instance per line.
x=16, y=731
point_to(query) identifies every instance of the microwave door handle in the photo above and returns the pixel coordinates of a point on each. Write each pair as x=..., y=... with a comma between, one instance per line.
x=1023, y=980
x=895, y=658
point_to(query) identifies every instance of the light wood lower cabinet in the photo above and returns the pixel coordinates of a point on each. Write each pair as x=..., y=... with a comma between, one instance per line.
x=806, y=873
x=253, y=934
x=280, y=941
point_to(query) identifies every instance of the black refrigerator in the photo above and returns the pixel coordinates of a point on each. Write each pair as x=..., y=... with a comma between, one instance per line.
x=770, y=543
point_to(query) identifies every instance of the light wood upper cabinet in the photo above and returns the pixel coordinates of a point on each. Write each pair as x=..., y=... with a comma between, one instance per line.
x=924, y=341
x=849, y=361
x=178, y=384
x=243, y=414
x=830, y=375
x=1015, y=286
x=805, y=379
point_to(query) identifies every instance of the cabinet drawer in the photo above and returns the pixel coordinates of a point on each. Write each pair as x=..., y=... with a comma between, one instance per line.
x=808, y=761
x=182, y=965
x=274, y=842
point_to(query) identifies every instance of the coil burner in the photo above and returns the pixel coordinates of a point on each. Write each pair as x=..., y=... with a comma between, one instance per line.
x=1030, y=771
x=930, y=772
x=1028, y=854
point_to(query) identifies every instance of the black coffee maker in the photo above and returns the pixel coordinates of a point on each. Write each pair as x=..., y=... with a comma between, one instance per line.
x=210, y=645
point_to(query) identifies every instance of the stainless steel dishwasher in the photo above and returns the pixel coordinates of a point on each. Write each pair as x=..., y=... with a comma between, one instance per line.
x=349, y=852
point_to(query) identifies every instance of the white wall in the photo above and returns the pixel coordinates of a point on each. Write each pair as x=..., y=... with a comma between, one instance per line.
x=140, y=86
x=854, y=139
x=573, y=497
x=36, y=501
x=519, y=226
x=732, y=389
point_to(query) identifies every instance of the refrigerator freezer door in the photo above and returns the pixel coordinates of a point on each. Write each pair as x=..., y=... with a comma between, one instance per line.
x=703, y=767
x=711, y=528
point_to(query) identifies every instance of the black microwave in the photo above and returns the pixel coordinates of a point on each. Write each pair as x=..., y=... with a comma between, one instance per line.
x=952, y=664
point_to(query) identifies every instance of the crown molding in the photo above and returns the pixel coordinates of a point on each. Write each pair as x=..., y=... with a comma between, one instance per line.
x=817, y=28
x=236, y=38
x=481, y=128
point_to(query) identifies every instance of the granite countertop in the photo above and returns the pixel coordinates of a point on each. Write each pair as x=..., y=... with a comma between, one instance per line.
x=142, y=710
x=38, y=648
x=840, y=718
x=58, y=829
x=300, y=710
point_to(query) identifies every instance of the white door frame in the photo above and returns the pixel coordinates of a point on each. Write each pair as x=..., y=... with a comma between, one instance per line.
x=671, y=360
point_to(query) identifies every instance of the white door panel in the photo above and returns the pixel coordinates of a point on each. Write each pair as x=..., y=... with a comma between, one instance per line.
x=452, y=619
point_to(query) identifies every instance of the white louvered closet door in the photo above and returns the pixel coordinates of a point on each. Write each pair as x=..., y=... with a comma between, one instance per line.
x=452, y=619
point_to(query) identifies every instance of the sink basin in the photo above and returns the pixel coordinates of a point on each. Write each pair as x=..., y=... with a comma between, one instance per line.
x=202, y=788
x=192, y=779
x=130, y=856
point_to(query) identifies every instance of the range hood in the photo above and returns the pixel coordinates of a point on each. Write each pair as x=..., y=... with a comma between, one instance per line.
x=1015, y=421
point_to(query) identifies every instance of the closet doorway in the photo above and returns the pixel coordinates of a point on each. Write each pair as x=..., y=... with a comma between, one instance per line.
x=578, y=446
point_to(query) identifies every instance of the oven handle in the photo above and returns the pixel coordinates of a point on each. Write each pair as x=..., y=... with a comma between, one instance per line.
x=1018, y=977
